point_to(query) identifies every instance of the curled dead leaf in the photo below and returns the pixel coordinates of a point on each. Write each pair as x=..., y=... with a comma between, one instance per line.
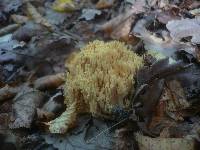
x=49, y=81
x=8, y=92
x=120, y=26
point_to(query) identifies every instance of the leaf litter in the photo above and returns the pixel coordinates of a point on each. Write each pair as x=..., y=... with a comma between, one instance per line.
x=36, y=37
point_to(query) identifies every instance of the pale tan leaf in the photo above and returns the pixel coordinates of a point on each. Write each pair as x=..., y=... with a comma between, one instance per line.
x=65, y=121
x=148, y=143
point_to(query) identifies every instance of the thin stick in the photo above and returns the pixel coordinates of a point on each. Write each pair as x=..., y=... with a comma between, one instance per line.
x=104, y=131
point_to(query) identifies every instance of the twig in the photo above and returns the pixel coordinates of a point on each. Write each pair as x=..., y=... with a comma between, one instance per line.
x=104, y=131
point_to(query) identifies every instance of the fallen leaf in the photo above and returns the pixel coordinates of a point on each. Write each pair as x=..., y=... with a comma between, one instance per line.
x=49, y=82
x=37, y=17
x=64, y=122
x=183, y=28
x=19, y=19
x=24, y=108
x=176, y=98
x=170, y=14
x=124, y=139
x=8, y=92
x=8, y=49
x=27, y=31
x=122, y=31
x=148, y=143
x=195, y=12
x=119, y=27
x=102, y=4
x=89, y=14
x=139, y=6
x=4, y=121
x=8, y=29
x=55, y=18
x=64, y=6
x=44, y=115
x=165, y=45
x=86, y=129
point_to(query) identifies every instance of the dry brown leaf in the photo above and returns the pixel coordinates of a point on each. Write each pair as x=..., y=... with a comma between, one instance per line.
x=122, y=31
x=184, y=28
x=110, y=26
x=124, y=139
x=101, y=4
x=8, y=92
x=44, y=115
x=4, y=121
x=120, y=26
x=175, y=100
x=49, y=81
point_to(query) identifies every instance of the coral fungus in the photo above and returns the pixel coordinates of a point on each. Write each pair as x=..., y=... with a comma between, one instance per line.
x=100, y=77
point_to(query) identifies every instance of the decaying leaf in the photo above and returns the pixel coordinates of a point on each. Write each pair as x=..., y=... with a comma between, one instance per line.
x=44, y=115
x=148, y=143
x=89, y=14
x=87, y=128
x=102, y=4
x=49, y=82
x=4, y=121
x=120, y=26
x=110, y=26
x=125, y=139
x=8, y=92
x=122, y=31
x=24, y=108
x=184, y=28
x=165, y=45
x=176, y=99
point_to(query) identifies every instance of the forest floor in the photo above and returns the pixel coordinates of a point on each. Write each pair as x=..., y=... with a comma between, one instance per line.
x=37, y=37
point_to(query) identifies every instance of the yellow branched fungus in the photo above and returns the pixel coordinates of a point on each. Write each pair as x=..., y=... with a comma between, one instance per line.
x=100, y=77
